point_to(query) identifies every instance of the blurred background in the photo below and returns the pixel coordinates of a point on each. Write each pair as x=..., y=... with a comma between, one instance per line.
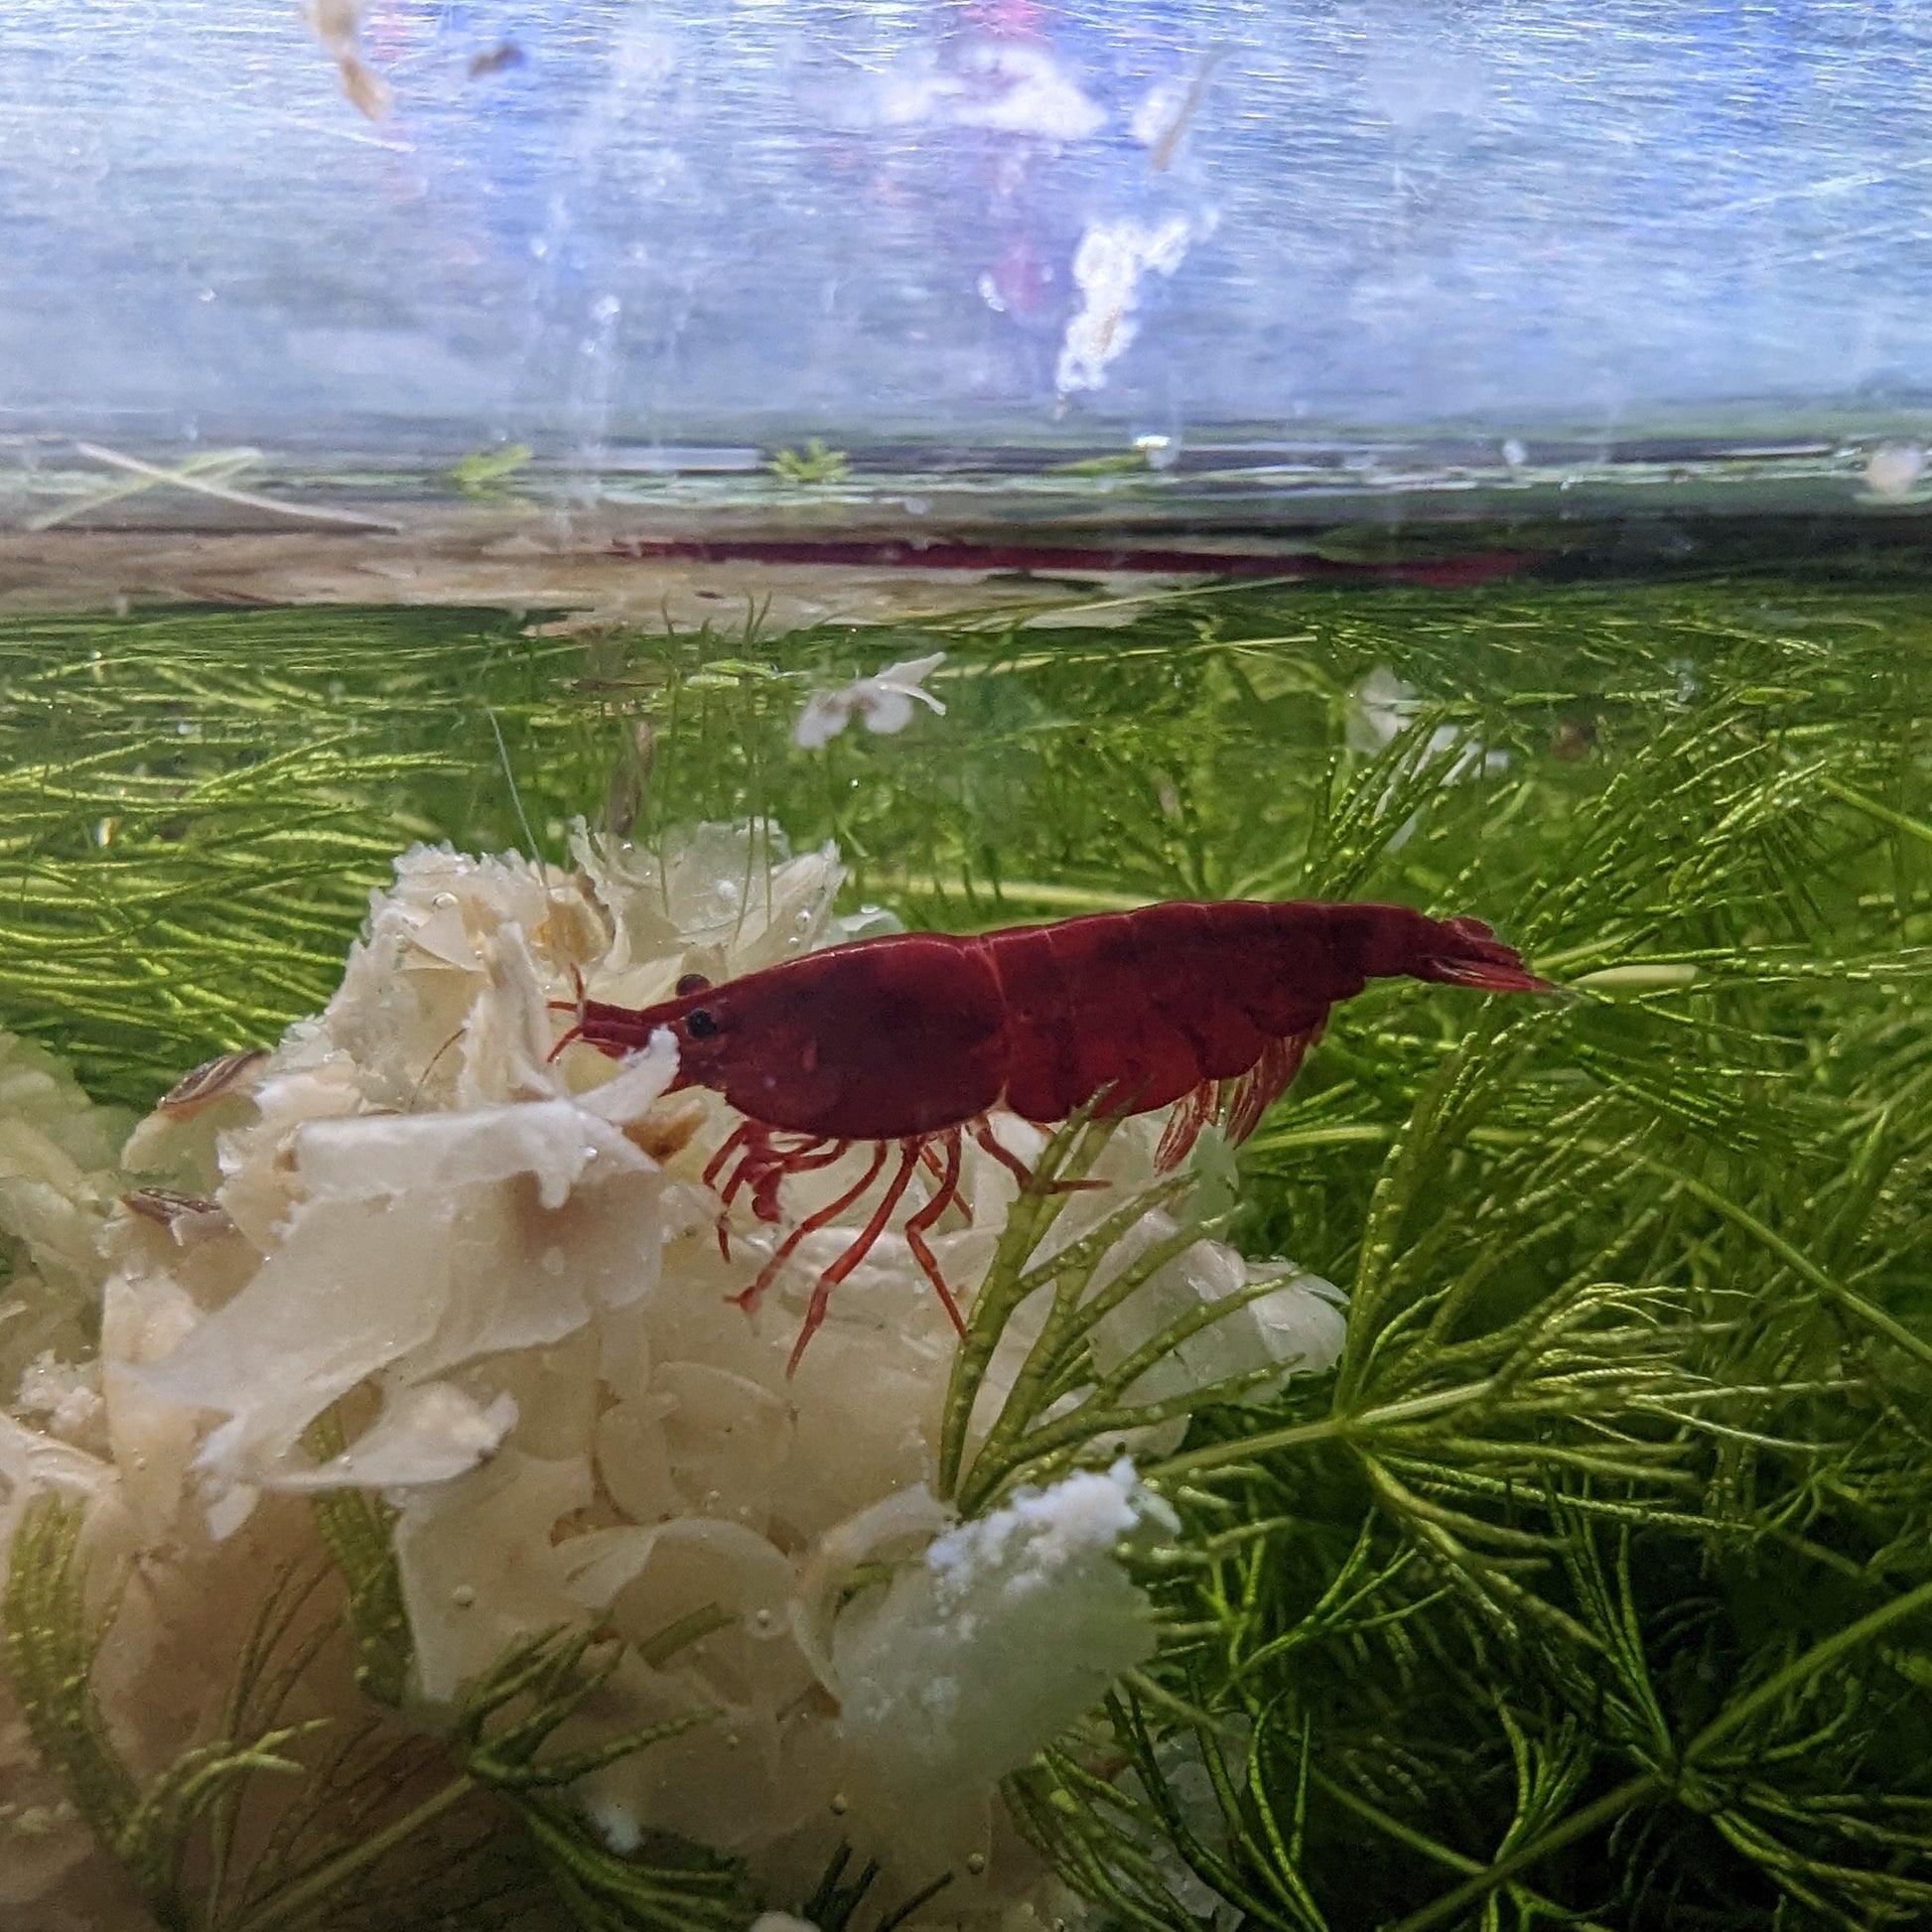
x=1329, y=246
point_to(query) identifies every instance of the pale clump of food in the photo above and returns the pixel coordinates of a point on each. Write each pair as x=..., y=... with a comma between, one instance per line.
x=960, y=1669
x=59, y=1168
x=411, y=1257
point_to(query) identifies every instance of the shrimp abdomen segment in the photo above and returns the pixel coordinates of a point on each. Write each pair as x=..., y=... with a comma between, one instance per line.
x=1148, y=1005
x=1083, y=1018
x=1290, y=963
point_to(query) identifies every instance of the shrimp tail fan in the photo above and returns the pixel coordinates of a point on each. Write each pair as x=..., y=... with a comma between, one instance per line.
x=1465, y=952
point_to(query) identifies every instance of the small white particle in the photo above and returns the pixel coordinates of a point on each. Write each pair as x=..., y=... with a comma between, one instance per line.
x=1894, y=470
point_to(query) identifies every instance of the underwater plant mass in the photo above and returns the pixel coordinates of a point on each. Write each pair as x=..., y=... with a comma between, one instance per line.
x=1497, y=1492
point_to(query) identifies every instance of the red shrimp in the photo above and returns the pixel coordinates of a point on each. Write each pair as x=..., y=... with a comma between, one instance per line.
x=906, y=1041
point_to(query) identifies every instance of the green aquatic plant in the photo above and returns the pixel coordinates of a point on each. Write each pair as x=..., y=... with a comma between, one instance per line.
x=482, y=474
x=1119, y=462
x=1636, y=1273
x=194, y=803
x=273, y=1826
x=836, y=1901
x=50, y=1653
x=814, y=464
x=357, y=1529
x=1063, y=1403
x=1593, y=1586
x=193, y=807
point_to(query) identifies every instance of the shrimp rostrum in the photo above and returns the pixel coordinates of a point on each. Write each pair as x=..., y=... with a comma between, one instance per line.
x=904, y=1043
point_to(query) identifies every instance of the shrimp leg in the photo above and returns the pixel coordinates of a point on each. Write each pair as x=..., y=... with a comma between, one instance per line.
x=983, y=1133
x=873, y=1229
x=753, y=1295
x=744, y=1137
x=927, y=1218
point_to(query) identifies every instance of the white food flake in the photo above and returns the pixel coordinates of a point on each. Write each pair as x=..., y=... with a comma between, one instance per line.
x=1896, y=471
x=1007, y=87
x=67, y=1394
x=1009, y=1629
x=1382, y=706
x=1109, y=265
x=883, y=701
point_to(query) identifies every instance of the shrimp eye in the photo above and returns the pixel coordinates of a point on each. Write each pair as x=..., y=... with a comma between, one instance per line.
x=701, y=1023
x=692, y=983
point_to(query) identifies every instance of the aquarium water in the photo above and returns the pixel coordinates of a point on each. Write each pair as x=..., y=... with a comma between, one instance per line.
x=545, y=549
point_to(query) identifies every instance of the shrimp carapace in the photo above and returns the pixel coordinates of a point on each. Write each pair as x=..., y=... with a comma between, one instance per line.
x=907, y=1040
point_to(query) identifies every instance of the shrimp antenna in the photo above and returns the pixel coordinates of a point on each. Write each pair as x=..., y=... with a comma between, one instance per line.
x=516, y=798
x=422, y=1079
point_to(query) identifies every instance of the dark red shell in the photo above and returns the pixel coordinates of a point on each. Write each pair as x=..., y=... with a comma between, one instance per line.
x=908, y=1034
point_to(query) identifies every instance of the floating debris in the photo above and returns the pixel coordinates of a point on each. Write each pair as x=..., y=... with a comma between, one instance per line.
x=1108, y=267
x=495, y=59
x=883, y=701
x=164, y=1206
x=1164, y=113
x=1895, y=472
x=208, y=1083
x=337, y=25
